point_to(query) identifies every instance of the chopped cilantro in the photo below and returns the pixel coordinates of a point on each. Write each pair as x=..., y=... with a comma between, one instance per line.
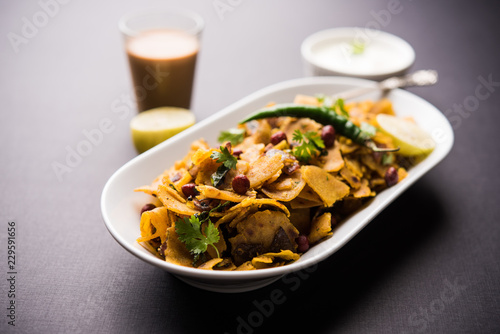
x=189, y=232
x=339, y=107
x=358, y=47
x=233, y=135
x=225, y=157
x=309, y=145
x=320, y=98
x=228, y=162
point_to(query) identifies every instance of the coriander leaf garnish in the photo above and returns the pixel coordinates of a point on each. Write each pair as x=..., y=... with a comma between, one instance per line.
x=358, y=47
x=310, y=143
x=189, y=232
x=324, y=100
x=339, y=105
x=233, y=135
x=225, y=157
x=320, y=98
x=228, y=162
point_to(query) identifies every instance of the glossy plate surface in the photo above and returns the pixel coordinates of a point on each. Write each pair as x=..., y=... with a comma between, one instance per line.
x=120, y=205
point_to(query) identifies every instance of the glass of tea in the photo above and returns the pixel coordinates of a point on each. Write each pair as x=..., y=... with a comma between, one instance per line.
x=162, y=46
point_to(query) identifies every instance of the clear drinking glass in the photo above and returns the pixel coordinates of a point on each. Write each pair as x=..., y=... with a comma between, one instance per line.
x=162, y=46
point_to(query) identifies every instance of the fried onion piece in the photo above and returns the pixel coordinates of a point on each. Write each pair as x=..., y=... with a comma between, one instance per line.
x=321, y=227
x=324, y=184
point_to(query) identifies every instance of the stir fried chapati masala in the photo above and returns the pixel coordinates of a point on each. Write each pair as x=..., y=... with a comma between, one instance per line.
x=278, y=183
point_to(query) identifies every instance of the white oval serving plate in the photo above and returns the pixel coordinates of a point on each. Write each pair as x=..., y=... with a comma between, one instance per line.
x=120, y=205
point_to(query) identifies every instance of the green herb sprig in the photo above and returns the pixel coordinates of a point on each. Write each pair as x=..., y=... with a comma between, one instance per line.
x=310, y=144
x=340, y=107
x=233, y=135
x=189, y=231
x=228, y=162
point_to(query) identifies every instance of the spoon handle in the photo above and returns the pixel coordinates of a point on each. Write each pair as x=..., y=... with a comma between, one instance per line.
x=418, y=78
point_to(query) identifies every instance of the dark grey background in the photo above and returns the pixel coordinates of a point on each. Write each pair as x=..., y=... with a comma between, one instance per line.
x=428, y=264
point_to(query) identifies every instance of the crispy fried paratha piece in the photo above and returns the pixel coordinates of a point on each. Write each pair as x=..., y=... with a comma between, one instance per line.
x=171, y=203
x=176, y=251
x=225, y=195
x=324, y=184
x=285, y=188
x=263, y=169
x=333, y=161
x=154, y=224
x=270, y=260
x=263, y=232
x=321, y=227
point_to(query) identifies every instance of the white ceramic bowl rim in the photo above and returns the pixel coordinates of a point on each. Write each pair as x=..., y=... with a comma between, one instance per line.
x=350, y=32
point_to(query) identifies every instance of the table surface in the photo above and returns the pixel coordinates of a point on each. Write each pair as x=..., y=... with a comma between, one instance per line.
x=427, y=264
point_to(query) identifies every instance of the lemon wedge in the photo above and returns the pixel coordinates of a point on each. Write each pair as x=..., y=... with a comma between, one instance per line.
x=410, y=138
x=151, y=127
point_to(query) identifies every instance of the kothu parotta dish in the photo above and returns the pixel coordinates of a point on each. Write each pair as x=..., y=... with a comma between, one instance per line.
x=278, y=183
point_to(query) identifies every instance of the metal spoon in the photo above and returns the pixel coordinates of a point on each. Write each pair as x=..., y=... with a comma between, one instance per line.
x=418, y=78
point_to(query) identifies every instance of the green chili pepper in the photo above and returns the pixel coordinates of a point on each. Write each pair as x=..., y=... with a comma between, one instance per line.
x=322, y=115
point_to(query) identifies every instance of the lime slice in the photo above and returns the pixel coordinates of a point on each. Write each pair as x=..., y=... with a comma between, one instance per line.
x=410, y=138
x=151, y=127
